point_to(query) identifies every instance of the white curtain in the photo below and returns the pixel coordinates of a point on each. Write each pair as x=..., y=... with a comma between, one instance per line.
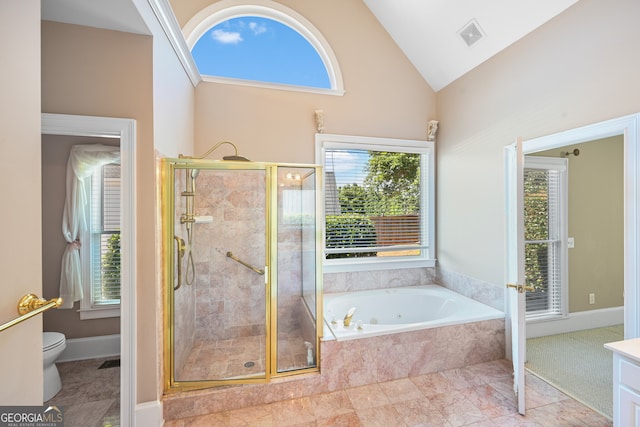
x=83, y=162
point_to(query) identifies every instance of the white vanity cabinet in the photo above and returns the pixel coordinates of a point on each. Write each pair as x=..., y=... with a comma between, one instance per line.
x=626, y=382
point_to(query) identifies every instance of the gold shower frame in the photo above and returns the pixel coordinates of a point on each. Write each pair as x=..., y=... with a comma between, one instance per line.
x=168, y=168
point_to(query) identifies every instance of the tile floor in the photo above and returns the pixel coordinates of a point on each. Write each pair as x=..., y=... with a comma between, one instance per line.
x=90, y=396
x=239, y=357
x=479, y=395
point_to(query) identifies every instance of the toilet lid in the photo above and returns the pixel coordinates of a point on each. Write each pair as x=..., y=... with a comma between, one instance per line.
x=51, y=339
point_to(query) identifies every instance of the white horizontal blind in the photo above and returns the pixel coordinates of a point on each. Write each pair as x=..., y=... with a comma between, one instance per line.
x=105, y=235
x=373, y=203
x=542, y=242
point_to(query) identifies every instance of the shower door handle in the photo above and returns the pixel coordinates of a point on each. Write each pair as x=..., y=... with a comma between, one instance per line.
x=181, y=249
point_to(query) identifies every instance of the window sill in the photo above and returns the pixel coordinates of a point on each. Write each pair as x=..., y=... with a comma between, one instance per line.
x=100, y=312
x=342, y=266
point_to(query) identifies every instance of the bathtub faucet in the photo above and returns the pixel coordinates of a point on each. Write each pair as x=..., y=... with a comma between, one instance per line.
x=347, y=319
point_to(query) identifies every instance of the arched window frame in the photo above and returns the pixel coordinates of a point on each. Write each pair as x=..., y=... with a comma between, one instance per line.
x=224, y=10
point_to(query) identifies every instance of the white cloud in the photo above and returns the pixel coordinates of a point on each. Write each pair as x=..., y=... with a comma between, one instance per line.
x=257, y=28
x=226, y=37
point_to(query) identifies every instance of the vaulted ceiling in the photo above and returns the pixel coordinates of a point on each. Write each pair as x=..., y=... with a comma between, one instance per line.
x=431, y=33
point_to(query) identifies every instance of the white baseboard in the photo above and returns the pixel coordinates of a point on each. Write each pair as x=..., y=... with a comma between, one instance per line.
x=578, y=321
x=149, y=414
x=91, y=348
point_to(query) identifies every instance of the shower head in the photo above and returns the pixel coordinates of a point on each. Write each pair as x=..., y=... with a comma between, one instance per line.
x=236, y=158
x=194, y=173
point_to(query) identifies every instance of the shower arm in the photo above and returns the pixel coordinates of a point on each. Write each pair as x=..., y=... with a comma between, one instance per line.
x=235, y=156
x=249, y=266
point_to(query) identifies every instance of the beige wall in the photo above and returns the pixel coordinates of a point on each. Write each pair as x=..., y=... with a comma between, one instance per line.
x=385, y=95
x=95, y=72
x=596, y=222
x=20, y=346
x=557, y=78
x=55, y=153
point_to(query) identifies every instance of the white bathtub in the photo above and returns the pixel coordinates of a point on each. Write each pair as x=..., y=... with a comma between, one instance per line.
x=389, y=311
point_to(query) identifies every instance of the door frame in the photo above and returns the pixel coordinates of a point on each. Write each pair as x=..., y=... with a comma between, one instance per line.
x=629, y=128
x=125, y=130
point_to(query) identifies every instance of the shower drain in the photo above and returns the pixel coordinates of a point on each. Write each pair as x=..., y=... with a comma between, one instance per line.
x=249, y=365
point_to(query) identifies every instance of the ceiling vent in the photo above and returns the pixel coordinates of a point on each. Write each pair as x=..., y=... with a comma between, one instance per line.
x=471, y=33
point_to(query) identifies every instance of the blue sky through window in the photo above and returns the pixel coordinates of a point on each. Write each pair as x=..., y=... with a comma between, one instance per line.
x=349, y=166
x=259, y=49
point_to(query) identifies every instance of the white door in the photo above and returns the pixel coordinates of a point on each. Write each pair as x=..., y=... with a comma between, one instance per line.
x=514, y=271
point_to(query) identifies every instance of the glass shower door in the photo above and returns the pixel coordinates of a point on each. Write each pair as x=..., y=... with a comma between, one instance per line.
x=219, y=319
x=297, y=267
x=243, y=243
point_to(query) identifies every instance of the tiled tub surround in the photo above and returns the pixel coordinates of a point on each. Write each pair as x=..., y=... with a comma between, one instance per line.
x=347, y=364
x=484, y=292
x=379, y=279
x=478, y=290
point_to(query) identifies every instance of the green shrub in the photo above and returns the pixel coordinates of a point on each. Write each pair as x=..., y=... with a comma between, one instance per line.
x=111, y=269
x=350, y=231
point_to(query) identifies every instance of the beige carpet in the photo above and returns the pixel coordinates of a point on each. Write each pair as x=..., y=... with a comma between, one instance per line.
x=578, y=364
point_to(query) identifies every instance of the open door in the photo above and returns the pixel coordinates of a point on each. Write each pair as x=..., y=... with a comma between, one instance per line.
x=514, y=271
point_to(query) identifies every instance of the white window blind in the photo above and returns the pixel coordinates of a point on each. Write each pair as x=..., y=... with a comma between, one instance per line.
x=374, y=203
x=543, y=242
x=105, y=236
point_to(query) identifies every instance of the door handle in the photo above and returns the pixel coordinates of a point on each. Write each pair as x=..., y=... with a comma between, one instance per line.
x=181, y=249
x=521, y=288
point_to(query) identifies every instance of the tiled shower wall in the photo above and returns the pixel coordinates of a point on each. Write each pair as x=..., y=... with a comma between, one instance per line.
x=230, y=298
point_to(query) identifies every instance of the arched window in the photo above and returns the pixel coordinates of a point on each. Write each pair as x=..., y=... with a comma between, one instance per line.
x=261, y=44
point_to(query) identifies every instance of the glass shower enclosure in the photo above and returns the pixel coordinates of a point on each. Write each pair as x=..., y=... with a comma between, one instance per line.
x=243, y=280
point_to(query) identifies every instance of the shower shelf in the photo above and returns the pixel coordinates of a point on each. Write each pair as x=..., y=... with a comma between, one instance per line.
x=203, y=219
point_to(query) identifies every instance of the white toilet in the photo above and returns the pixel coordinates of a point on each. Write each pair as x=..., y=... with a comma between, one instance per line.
x=53, y=344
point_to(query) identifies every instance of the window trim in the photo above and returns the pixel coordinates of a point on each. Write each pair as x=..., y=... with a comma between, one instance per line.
x=221, y=11
x=427, y=259
x=87, y=309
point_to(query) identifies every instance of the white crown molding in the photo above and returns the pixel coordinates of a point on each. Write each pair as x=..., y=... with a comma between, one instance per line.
x=168, y=22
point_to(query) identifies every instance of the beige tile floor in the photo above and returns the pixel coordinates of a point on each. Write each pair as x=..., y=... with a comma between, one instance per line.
x=214, y=360
x=479, y=395
x=90, y=397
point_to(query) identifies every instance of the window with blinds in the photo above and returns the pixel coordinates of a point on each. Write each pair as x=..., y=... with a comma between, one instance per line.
x=545, y=265
x=105, y=236
x=376, y=202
